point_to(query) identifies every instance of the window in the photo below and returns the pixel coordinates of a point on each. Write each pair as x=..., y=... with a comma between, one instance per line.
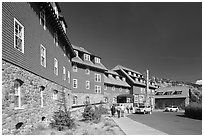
x=64, y=73
x=42, y=99
x=128, y=100
x=56, y=39
x=77, y=53
x=113, y=88
x=74, y=83
x=55, y=94
x=68, y=76
x=105, y=87
x=17, y=94
x=97, y=60
x=42, y=55
x=18, y=36
x=97, y=89
x=87, y=84
x=98, y=77
x=123, y=79
x=42, y=19
x=120, y=89
x=129, y=73
x=74, y=68
x=87, y=71
x=55, y=66
x=75, y=100
x=87, y=57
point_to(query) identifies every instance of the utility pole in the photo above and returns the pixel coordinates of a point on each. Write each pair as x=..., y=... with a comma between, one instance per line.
x=147, y=87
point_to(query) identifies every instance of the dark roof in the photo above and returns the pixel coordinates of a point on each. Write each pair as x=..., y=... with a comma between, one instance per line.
x=80, y=49
x=126, y=95
x=113, y=81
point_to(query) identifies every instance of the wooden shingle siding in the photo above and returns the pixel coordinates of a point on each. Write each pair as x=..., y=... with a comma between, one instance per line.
x=34, y=36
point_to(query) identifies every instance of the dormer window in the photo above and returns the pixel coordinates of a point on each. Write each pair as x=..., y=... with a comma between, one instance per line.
x=97, y=60
x=77, y=53
x=63, y=26
x=117, y=77
x=109, y=75
x=56, y=11
x=129, y=73
x=135, y=75
x=136, y=79
x=123, y=79
x=86, y=57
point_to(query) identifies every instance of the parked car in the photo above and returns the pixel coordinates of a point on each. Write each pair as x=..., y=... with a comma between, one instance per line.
x=171, y=109
x=144, y=110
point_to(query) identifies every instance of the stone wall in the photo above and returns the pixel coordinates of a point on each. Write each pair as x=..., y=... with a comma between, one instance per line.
x=31, y=112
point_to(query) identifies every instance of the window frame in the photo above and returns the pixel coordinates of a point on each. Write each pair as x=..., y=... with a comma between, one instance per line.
x=42, y=47
x=56, y=41
x=68, y=76
x=22, y=35
x=87, y=84
x=74, y=68
x=75, y=82
x=97, y=60
x=87, y=71
x=17, y=93
x=56, y=66
x=64, y=73
x=87, y=57
x=55, y=95
x=75, y=101
x=97, y=77
x=43, y=19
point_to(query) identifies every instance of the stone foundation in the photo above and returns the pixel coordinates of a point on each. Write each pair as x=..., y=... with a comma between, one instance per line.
x=24, y=120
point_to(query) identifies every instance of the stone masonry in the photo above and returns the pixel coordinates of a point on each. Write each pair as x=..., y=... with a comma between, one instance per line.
x=31, y=112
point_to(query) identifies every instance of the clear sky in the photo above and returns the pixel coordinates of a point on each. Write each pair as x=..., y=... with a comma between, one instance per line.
x=165, y=38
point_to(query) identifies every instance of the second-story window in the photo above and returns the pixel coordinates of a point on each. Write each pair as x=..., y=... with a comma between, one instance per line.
x=113, y=88
x=18, y=36
x=55, y=66
x=56, y=39
x=86, y=57
x=98, y=77
x=74, y=68
x=97, y=89
x=42, y=55
x=74, y=83
x=64, y=73
x=42, y=19
x=87, y=71
x=68, y=76
x=97, y=60
x=87, y=84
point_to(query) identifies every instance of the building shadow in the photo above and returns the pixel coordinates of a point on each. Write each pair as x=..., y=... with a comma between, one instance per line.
x=183, y=115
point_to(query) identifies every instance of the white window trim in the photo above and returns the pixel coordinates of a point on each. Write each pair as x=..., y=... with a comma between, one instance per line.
x=44, y=26
x=75, y=68
x=68, y=76
x=97, y=89
x=120, y=89
x=74, y=100
x=64, y=73
x=75, y=83
x=97, y=77
x=97, y=60
x=15, y=20
x=77, y=53
x=113, y=88
x=56, y=41
x=41, y=46
x=56, y=66
x=54, y=96
x=87, y=57
x=87, y=84
x=41, y=97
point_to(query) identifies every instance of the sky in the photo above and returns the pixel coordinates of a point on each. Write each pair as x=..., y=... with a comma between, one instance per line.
x=165, y=38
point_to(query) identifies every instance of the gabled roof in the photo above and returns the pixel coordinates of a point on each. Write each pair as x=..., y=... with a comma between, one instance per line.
x=131, y=77
x=80, y=49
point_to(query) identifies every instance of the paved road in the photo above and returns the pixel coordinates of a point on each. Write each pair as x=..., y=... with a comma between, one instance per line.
x=172, y=123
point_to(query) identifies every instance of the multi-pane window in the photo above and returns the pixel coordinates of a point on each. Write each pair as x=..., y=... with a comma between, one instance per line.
x=74, y=68
x=98, y=77
x=87, y=57
x=17, y=94
x=42, y=19
x=18, y=36
x=64, y=73
x=55, y=94
x=97, y=89
x=68, y=76
x=42, y=55
x=87, y=84
x=74, y=100
x=87, y=71
x=55, y=66
x=74, y=83
x=97, y=60
x=56, y=39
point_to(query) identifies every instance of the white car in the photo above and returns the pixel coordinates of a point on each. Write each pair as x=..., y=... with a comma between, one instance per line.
x=172, y=109
x=144, y=110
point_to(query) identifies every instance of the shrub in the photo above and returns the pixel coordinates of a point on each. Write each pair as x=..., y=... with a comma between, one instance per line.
x=194, y=110
x=62, y=119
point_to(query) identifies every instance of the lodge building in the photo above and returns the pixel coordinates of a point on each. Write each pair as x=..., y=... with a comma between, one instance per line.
x=36, y=64
x=87, y=76
x=138, y=85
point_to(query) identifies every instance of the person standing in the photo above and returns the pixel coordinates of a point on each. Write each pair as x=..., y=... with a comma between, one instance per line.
x=113, y=110
x=118, y=111
x=122, y=110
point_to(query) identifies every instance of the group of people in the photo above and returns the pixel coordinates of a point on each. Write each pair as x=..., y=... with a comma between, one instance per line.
x=120, y=109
